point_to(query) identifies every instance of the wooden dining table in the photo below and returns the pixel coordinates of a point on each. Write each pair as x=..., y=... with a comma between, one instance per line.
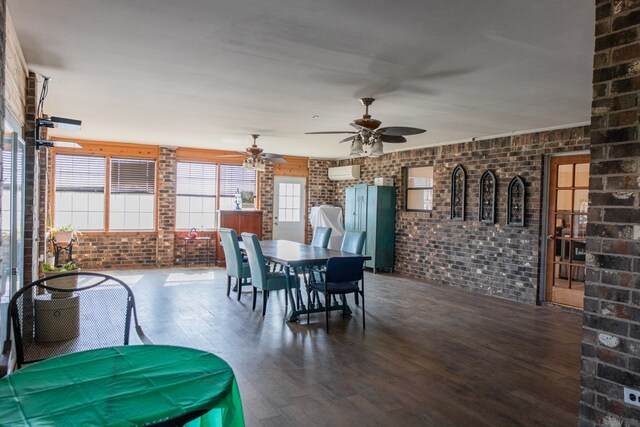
x=294, y=256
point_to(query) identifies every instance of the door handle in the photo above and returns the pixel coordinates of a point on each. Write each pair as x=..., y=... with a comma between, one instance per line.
x=551, y=237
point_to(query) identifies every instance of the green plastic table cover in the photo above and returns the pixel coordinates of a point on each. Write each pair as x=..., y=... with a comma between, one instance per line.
x=122, y=386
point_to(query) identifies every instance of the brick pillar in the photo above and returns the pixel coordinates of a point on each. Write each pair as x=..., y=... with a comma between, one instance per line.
x=166, y=206
x=611, y=338
x=31, y=211
x=266, y=200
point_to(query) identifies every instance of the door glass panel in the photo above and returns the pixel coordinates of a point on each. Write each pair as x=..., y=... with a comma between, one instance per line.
x=580, y=200
x=565, y=175
x=580, y=226
x=289, y=202
x=582, y=175
x=563, y=201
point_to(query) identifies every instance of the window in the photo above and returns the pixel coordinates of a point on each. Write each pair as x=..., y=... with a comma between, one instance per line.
x=289, y=202
x=132, y=198
x=196, y=195
x=79, y=191
x=234, y=178
x=419, y=196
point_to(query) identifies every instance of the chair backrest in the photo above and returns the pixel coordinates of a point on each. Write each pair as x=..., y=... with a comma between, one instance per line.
x=232, y=254
x=69, y=312
x=256, y=260
x=353, y=242
x=321, y=237
x=344, y=269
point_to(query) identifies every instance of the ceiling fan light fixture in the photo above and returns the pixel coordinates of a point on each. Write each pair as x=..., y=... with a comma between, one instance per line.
x=376, y=149
x=260, y=165
x=356, y=147
x=247, y=163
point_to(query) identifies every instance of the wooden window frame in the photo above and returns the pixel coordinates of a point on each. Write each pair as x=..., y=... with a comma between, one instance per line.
x=107, y=150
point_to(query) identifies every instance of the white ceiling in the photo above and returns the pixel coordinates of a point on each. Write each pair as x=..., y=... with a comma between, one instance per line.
x=206, y=73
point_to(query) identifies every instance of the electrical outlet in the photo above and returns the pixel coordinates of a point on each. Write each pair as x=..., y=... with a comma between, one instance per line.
x=631, y=396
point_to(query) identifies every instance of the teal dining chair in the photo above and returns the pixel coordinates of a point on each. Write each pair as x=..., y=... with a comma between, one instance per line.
x=321, y=237
x=236, y=267
x=263, y=279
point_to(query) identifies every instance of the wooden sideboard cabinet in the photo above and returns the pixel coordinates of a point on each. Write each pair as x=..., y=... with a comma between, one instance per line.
x=241, y=222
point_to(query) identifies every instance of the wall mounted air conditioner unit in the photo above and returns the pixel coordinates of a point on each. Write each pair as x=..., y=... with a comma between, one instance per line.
x=344, y=173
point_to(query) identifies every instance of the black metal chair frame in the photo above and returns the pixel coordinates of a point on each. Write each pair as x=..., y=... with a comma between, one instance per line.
x=13, y=317
x=338, y=273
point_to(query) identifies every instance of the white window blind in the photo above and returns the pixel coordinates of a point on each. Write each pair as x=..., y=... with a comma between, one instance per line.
x=79, y=191
x=196, y=195
x=133, y=176
x=232, y=179
x=132, y=199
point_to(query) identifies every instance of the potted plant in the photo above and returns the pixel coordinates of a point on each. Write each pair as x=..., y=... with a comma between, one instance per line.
x=50, y=270
x=64, y=234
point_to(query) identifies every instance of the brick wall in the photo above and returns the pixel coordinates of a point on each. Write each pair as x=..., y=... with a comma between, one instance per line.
x=165, y=247
x=121, y=250
x=611, y=339
x=496, y=259
x=321, y=191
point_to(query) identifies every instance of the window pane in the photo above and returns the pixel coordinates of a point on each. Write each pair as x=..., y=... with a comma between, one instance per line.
x=79, y=191
x=132, y=200
x=196, y=195
x=419, y=200
x=421, y=177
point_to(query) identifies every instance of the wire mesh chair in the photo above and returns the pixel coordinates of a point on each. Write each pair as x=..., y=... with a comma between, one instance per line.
x=67, y=313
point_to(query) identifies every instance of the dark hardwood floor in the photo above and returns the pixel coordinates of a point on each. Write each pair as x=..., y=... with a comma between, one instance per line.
x=430, y=356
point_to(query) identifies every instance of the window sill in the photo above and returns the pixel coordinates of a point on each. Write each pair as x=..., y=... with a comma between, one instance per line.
x=119, y=233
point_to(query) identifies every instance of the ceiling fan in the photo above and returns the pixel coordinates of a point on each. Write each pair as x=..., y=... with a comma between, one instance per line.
x=255, y=157
x=369, y=133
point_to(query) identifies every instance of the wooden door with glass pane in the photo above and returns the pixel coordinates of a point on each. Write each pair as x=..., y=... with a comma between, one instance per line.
x=567, y=230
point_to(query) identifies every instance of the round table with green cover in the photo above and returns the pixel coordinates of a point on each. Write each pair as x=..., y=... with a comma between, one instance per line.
x=122, y=386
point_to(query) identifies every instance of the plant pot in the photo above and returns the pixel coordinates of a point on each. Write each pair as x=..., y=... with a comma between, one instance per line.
x=57, y=319
x=63, y=237
x=70, y=282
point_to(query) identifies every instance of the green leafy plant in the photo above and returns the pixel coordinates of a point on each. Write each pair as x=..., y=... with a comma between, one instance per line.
x=70, y=266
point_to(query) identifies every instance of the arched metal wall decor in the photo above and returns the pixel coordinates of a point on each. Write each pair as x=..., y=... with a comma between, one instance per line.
x=516, y=202
x=487, y=211
x=458, y=189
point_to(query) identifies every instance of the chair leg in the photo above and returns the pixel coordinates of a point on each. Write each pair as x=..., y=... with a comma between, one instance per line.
x=228, y=285
x=308, y=302
x=239, y=285
x=363, y=325
x=255, y=294
x=265, y=295
x=326, y=310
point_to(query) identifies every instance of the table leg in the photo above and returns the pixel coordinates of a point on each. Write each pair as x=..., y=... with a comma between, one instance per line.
x=186, y=251
x=292, y=316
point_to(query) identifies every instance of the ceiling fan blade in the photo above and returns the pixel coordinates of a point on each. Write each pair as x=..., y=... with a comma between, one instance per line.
x=349, y=138
x=392, y=138
x=357, y=126
x=271, y=156
x=276, y=159
x=328, y=132
x=400, y=130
